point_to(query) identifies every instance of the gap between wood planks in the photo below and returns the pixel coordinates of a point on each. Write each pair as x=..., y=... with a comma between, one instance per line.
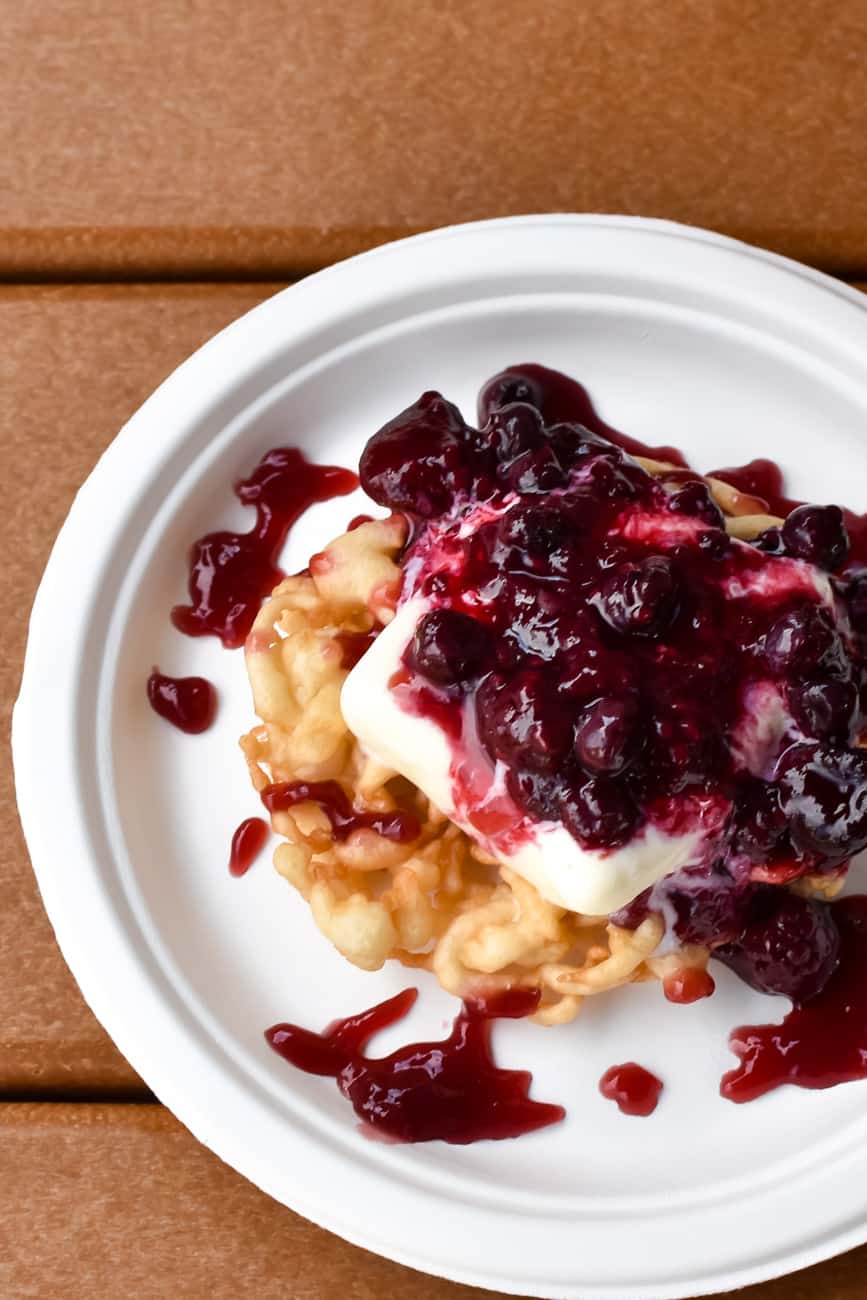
x=133, y=255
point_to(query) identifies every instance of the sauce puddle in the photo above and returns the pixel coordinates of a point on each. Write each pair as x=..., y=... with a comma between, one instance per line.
x=231, y=573
x=247, y=843
x=635, y=1090
x=819, y=1044
x=188, y=703
x=562, y=400
x=449, y=1090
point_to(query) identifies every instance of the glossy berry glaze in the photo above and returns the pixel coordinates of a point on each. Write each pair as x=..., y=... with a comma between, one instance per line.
x=247, y=843
x=604, y=656
x=688, y=985
x=820, y=1043
x=402, y=827
x=230, y=572
x=450, y=1090
x=635, y=1090
x=188, y=703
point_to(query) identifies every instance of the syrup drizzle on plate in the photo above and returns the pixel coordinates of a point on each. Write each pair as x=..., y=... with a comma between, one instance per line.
x=231, y=573
x=247, y=843
x=451, y=1090
x=635, y=1090
x=819, y=1044
x=400, y=826
x=188, y=703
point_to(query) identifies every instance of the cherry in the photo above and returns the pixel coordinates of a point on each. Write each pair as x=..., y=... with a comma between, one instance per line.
x=418, y=461
x=790, y=946
x=522, y=720
x=449, y=648
x=607, y=734
x=824, y=708
x=640, y=599
x=817, y=534
x=823, y=793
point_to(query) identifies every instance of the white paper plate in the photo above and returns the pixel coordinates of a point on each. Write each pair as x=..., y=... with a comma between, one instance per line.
x=681, y=337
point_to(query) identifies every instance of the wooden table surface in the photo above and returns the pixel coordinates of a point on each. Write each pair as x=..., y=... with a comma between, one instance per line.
x=163, y=168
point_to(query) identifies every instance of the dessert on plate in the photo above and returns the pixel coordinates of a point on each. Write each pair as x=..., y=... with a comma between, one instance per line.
x=569, y=717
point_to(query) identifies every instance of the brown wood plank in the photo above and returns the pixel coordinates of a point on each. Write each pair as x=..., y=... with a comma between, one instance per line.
x=269, y=138
x=121, y=1201
x=75, y=364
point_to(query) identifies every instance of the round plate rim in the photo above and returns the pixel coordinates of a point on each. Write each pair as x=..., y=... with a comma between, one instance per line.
x=76, y=940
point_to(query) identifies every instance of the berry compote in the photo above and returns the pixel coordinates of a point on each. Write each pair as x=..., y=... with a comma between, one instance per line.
x=607, y=662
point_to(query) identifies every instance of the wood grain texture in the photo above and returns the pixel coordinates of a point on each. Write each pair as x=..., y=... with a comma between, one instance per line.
x=74, y=365
x=126, y=1203
x=190, y=138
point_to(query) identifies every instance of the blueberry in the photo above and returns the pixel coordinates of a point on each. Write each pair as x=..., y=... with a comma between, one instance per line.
x=527, y=461
x=770, y=541
x=686, y=747
x=709, y=908
x=760, y=823
x=522, y=720
x=528, y=620
x=450, y=648
x=790, y=946
x=640, y=599
x=514, y=431
x=572, y=442
x=817, y=534
x=507, y=387
x=823, y=794
x=804, y=643
x=598, y=811
x=715, y=544
x=537, y=538
x=587, y=670
x=695, y=499
x=855, y=595
x=824, y=708
x=610, y=478
x=536, y=792
x=607, y=734
x=534, y=472
x=420, y=460
x=632, y=915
